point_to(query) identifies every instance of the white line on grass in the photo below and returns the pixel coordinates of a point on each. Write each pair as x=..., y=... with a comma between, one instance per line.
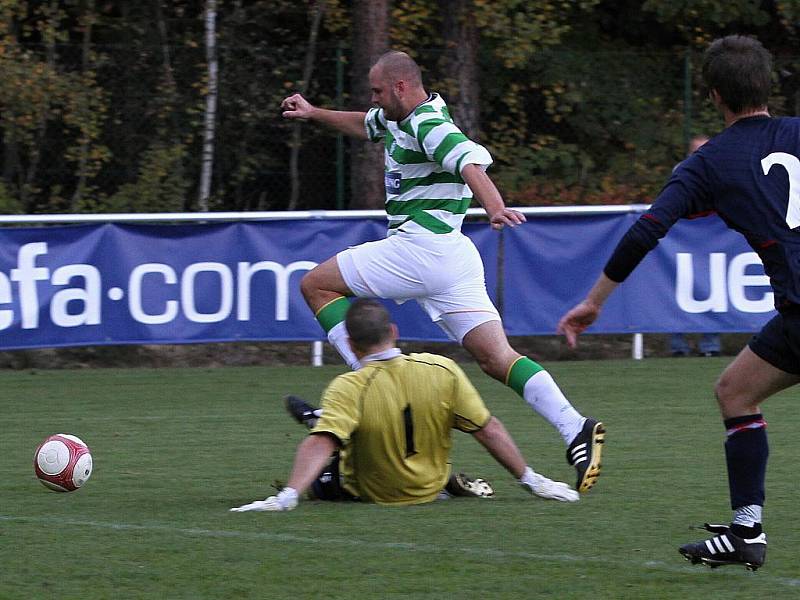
x=170, y=417
x=408, y=546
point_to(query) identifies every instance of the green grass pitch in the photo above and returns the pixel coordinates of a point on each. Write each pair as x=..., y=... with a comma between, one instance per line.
x=175, y=449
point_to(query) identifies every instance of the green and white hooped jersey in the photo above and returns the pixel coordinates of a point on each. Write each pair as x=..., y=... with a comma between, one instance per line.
x=424, y=154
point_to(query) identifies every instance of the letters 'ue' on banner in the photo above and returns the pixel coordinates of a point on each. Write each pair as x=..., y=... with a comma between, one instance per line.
x=214, y=282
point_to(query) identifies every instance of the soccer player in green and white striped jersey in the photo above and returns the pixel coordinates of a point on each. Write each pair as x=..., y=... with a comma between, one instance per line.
x=425, y=196
x=432, y=171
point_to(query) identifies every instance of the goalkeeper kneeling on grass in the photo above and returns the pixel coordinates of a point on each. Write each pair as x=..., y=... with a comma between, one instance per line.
x=383, y=433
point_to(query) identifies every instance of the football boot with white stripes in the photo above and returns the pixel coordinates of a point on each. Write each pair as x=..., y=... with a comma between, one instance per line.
x=726, y=548
x=301, y=410
x=585, y=454
x=462, y=485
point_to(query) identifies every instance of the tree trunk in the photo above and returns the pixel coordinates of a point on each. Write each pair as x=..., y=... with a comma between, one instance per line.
x=237, y=18
x=163, y=38
x=207, y=161
x=169, y=91
x=41, y=129
x=88, y=21
x=11, y=167
x=460, y=63
x=370, y=40
x=11, y=164
x=308, y=68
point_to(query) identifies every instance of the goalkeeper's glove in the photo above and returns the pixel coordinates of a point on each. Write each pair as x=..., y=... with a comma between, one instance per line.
x=285, y=500
x=541, y=486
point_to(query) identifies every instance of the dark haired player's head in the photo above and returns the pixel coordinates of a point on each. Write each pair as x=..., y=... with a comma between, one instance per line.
x=368, y=325
x=739, y=69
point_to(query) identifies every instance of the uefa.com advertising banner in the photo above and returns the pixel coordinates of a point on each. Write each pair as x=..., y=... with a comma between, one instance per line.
x=129, y=284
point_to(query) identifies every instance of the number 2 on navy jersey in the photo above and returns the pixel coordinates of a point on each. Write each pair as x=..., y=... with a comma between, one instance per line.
x=792, y=165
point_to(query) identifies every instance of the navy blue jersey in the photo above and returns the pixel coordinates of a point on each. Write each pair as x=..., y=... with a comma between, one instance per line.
x=750, y=176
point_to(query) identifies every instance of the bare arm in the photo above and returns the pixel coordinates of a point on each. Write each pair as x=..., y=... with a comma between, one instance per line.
x=498, y=442
x=312, y=455
x=586, y=312
x=348, y=122
x=490, y=199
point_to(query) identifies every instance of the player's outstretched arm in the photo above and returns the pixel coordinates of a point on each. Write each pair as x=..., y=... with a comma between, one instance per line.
x=312, y=456
x=583, y=314
x=490, y=199
x=348, y=122
x=501, y=446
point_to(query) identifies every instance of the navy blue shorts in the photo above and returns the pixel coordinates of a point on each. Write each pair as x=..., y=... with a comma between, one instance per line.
x=328, y=486
x=778, y=342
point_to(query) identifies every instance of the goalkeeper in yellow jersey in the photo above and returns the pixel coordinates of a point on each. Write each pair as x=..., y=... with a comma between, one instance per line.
x=383, y=432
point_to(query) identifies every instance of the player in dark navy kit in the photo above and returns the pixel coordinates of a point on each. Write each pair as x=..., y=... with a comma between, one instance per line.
x=750, y=176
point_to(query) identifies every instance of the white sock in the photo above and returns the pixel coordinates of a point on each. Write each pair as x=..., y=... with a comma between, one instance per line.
x=337, y=336
x=529, y=477
x=544, y=396
x=747, y=515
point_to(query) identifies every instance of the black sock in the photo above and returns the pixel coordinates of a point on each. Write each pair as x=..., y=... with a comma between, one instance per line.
x=746, y=453
x=743, y=531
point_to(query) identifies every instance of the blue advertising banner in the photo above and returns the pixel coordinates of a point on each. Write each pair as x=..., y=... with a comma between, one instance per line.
x=130, y=284
x=702, y=277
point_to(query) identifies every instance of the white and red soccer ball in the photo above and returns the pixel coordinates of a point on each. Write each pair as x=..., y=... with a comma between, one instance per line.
x=63, y=462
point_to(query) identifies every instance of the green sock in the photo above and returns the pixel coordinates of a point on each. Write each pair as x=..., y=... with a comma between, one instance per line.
x=333, y=313
x=331, y=317
x=519, y=373
x=537, y=388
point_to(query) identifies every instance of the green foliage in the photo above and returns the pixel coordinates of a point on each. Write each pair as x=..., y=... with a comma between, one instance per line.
x=9, y=204
x=520, y=28
x=38, y=97
x=256, y=75
x=580, y=100
x=788, y=12
x=85, y=114
x=160, y=186
x=607, y=129
x=698, y=20
x=413, y=20
x=596, y=118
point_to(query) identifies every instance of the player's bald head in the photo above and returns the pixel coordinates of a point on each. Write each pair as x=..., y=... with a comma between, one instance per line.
x=399, y=66
x=368, y=323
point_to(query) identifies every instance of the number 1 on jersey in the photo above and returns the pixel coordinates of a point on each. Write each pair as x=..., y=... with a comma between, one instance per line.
x=408, y=422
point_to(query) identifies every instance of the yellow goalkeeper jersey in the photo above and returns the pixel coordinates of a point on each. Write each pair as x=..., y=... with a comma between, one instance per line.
x=393, y=419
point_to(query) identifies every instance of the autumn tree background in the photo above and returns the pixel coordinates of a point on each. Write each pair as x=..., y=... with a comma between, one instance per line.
x=117, y=106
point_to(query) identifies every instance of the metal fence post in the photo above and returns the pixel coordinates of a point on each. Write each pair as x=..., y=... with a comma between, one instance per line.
x=339, y=136
x=316, y=353
x=687, y=98
x=501, y=271
x=637, y=351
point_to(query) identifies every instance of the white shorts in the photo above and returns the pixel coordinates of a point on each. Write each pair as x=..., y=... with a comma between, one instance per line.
x=442, y=272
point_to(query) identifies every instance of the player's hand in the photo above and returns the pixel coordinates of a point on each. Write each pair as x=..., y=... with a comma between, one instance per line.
x=577, y=320
x=269, y=505
x=297, y=107
x=541, y=486
x=285, y=500
x=506, y=216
